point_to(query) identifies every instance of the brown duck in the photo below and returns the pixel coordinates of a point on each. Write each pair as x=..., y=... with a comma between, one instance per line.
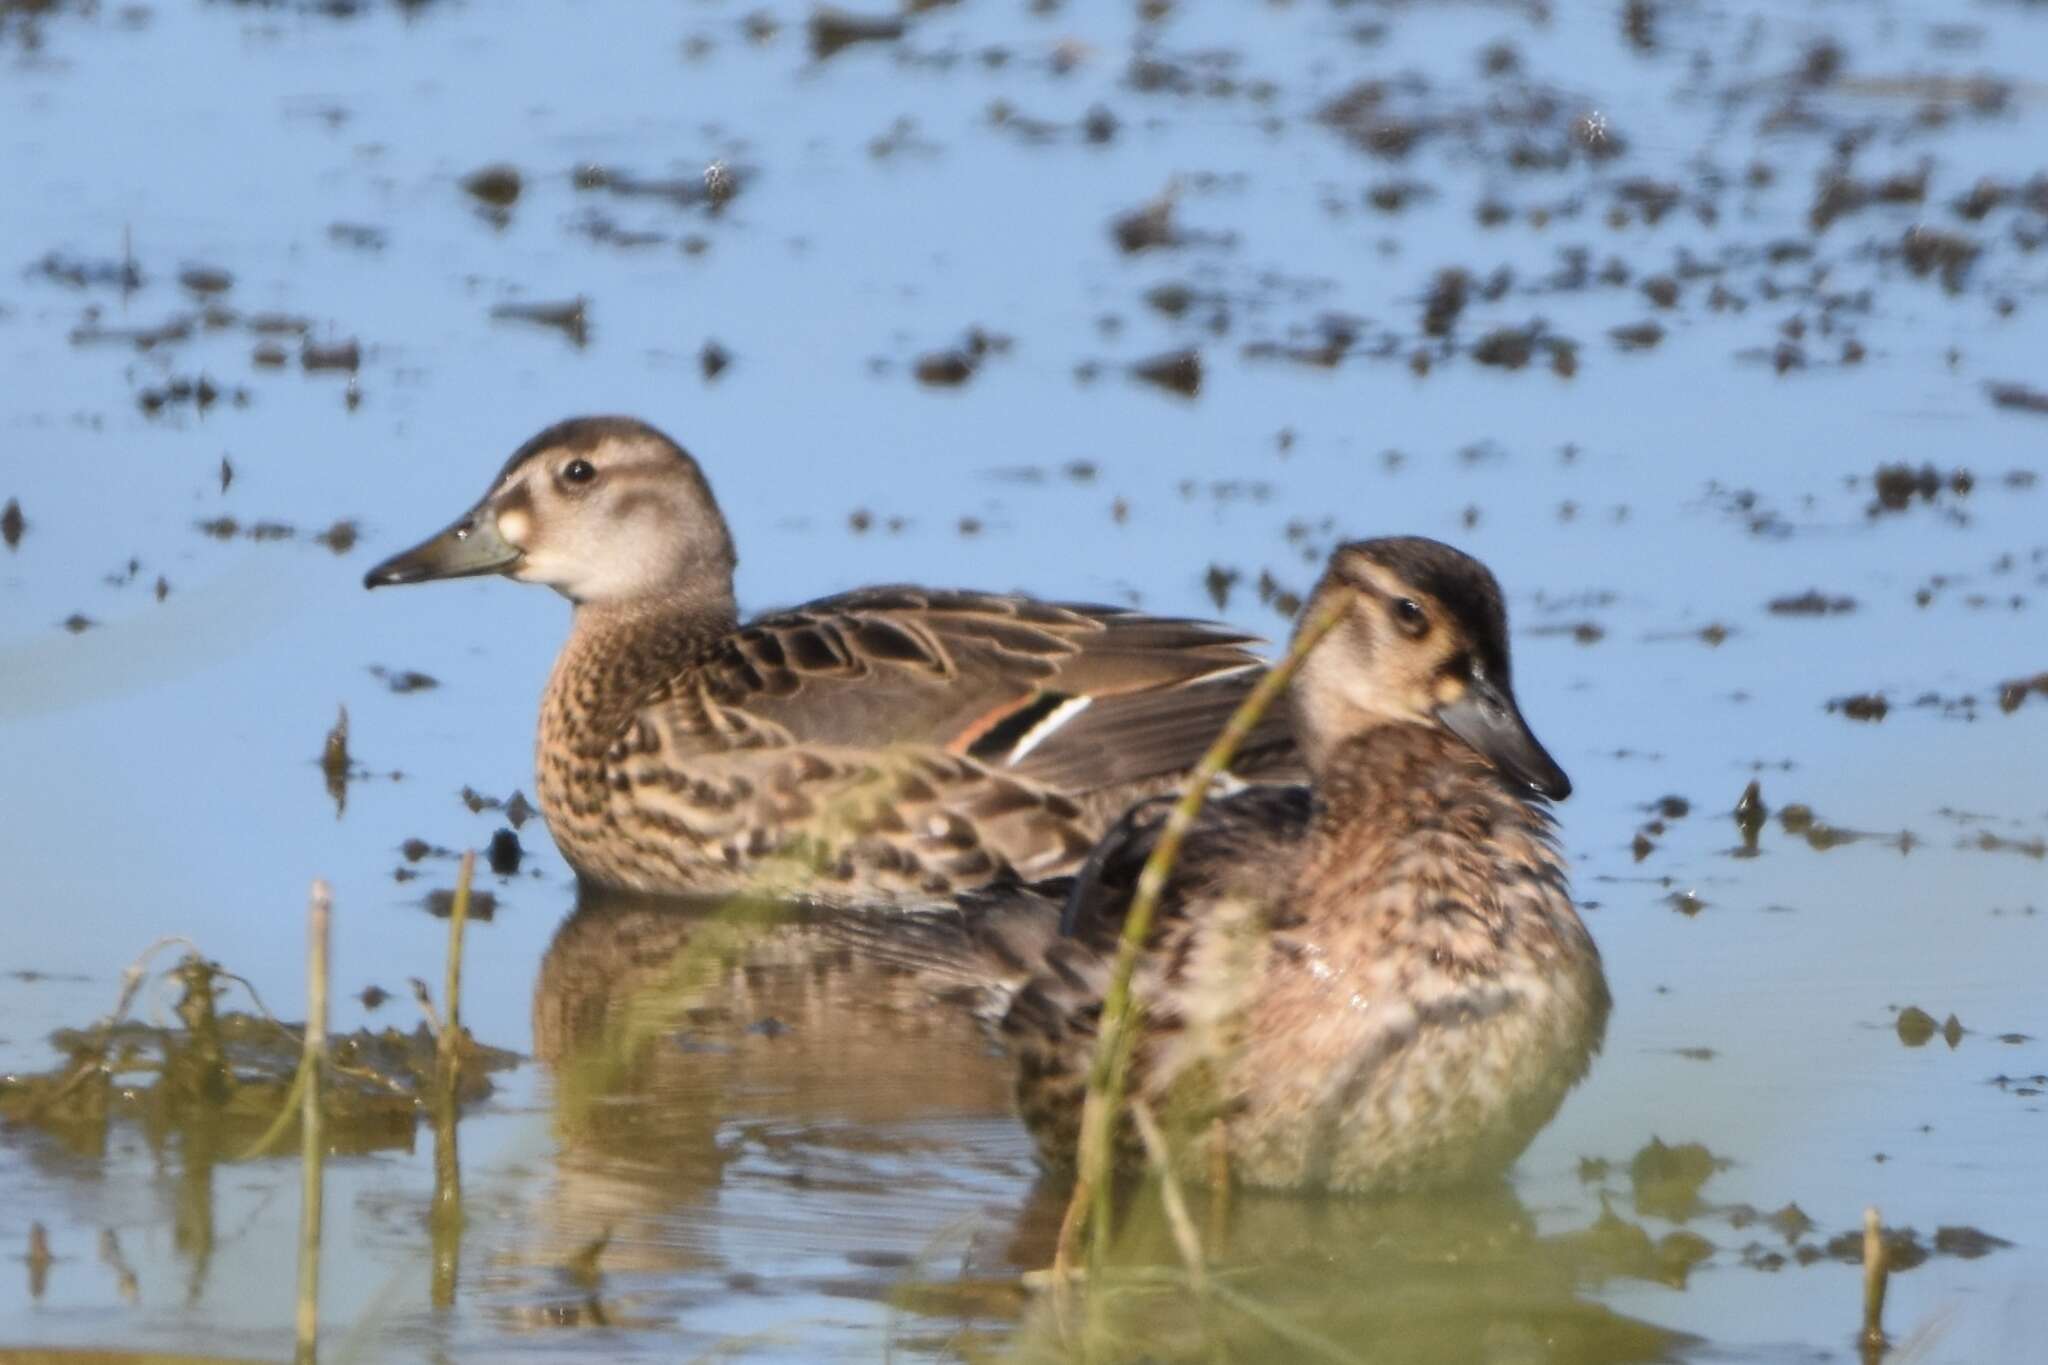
x=888, y=746
x=1376, y=983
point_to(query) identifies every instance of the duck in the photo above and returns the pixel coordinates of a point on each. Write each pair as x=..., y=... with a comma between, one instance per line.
x=885, y=747
x=1375, y=982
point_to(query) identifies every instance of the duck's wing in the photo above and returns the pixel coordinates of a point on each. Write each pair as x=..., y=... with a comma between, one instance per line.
x=1053, y=938
x=1240, y=849
x=1076, y=697
x=1241, y=835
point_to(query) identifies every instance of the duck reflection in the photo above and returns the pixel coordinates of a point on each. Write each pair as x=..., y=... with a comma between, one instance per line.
x=742, y=1105
x=756, y=1125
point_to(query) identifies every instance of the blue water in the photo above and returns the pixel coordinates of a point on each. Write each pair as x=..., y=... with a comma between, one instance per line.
x=158, y=770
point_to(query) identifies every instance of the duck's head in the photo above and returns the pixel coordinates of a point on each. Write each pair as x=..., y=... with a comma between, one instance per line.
x=1422, y=640
x=601, y=509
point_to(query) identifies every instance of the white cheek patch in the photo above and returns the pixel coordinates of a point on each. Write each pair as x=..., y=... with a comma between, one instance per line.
x=514, y=525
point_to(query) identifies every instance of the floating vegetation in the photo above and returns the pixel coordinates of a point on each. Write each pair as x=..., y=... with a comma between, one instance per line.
x=1916, y=1027
x=227, y=1072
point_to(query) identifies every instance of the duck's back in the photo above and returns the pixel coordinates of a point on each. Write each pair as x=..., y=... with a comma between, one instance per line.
x=1079, y=697
x=891, y=745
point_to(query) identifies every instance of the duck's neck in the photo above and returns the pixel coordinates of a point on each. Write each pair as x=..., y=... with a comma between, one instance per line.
x=1382, y=792
x=619, y=653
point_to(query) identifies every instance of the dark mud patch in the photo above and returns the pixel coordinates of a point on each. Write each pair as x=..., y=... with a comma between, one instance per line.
x=440, y=903
x=1579, y=632
x=404, y=681
x=80, y=272
x=496, y=186
x=504, y=853
x=196, y=392
x=2013, y=693
x=713, y=360
x=1636, y=336
x=1177, y=372
x=1868, y=706
x=954, y=365
x=570, y=317
x=1155, y=226
x=339, y=538
x=317, y=357
x=833, y=30
x=358, y=236
x=2018, y=398
x=1899, y=487
x=1812, y=602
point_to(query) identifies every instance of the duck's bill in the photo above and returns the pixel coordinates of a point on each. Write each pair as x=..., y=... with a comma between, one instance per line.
x=469, y=547
x=1488, y=720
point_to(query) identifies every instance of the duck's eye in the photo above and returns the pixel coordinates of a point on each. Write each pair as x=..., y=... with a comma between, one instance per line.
x=578, y=471
x=1411, y=618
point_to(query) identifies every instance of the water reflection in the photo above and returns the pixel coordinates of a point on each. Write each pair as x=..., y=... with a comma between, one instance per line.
x=745, y=1111
x=1463, y=1276
x=741, y=1106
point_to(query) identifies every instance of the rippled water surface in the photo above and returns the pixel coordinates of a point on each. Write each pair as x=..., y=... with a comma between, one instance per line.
x=1132, y=303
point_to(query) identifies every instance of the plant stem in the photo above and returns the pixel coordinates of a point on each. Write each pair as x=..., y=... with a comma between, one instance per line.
x=1109, y=1074
x=445, y=1219
x=312, y=1143
x=1177, y=1218
x=450, y=1051
x=1875, y=1272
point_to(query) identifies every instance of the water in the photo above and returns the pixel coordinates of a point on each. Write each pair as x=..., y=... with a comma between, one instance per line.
x=771, y=1192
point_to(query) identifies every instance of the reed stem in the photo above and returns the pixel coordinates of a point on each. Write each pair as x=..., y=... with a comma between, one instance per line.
x=312, y=1138
x=449, y=1054
x=445, y=1218
x=1109, y=1073
x=1185, y=1238
x=1876, y=1271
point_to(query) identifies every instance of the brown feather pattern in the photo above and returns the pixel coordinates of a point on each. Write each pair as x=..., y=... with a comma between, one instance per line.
x=1378, y=985
x=811, y=753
